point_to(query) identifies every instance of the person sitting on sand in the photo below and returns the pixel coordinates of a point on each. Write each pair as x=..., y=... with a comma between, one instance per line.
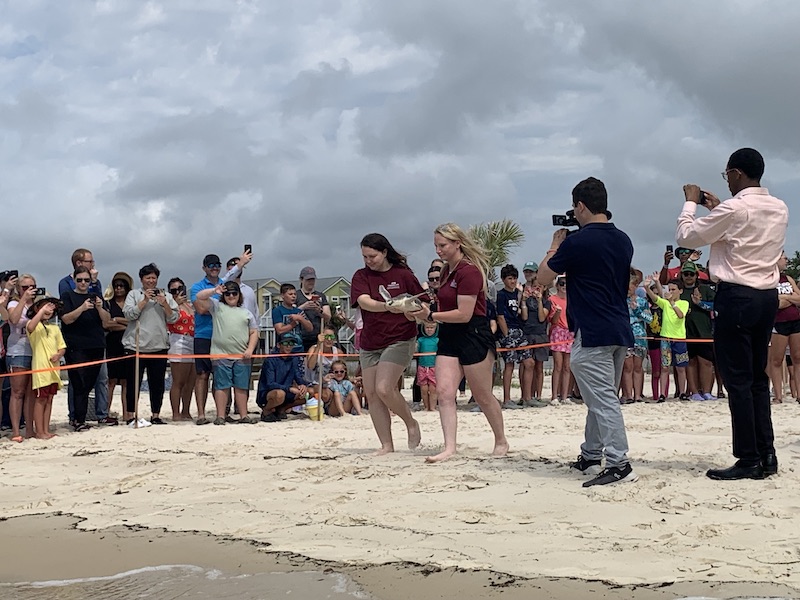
x=340, y=397
x=48, y=348
x=282, y=384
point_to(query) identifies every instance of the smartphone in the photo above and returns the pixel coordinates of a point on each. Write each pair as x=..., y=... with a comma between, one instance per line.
x=41, y=292
x=248, y=248
x=316, y=297
x=669, y=247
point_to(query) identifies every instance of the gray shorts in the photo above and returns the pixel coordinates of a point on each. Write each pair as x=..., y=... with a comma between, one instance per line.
x=399, y=353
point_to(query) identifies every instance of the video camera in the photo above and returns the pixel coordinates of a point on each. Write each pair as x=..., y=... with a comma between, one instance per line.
x=567, y=220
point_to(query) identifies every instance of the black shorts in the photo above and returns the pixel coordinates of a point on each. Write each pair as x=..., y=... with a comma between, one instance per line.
x=469, y=342
x=787, y=328
x=701, y=349
x=542, y=353
x=202, y=346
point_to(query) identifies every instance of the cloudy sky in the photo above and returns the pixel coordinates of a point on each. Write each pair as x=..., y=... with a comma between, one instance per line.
x=160, y=131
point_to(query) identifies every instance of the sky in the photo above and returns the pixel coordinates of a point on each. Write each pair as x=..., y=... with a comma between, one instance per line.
x=162, y=131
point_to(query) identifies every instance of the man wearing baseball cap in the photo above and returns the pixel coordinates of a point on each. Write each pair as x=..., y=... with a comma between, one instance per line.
x=314, y=303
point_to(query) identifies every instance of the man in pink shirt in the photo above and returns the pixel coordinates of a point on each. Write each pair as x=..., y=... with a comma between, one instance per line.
x=747, y=234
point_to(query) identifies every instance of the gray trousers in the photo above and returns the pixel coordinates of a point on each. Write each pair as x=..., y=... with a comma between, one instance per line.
x=598, y=371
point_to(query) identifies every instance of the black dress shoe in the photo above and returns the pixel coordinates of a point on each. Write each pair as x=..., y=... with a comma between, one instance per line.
x=737, y=472
x=770, y=464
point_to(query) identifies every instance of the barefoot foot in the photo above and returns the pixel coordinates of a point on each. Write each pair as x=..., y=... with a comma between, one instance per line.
x=414, y=435
x=500, y=450
x=442, y=456
x=383, y=450
x=18, y=438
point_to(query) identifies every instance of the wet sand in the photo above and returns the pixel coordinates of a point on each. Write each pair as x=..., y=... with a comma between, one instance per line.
x=54, y=547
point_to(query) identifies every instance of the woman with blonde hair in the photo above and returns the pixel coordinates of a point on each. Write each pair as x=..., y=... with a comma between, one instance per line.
x=466, y=344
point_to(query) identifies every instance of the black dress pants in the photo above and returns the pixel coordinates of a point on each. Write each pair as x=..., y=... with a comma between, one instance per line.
x=156, y=372
x=83, y=379
x=742, y=331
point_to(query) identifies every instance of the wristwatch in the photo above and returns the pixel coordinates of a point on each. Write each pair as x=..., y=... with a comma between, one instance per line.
x=429, y=318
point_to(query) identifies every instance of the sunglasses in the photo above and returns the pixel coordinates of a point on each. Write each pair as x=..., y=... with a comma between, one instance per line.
x=689, y=273
x=82, y=280
x=434, y=278
x=231, y=293
x=286, y=343
x=26, y=287
x=561, y=283
x=338, y=372
x=329, y=337
x=119, y=284
x=214, y=266
x=175, y=291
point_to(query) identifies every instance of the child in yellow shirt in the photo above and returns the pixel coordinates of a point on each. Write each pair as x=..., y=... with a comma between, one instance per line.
x=673, y=328
x=48, y=347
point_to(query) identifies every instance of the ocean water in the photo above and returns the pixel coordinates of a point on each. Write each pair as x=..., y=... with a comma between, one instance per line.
x=187, y=582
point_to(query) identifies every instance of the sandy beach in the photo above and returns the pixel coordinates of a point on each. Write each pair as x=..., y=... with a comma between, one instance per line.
x=313, y=489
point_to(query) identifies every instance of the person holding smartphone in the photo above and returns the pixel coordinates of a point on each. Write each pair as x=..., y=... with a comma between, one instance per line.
x=148, y=310
x=314, y=304
x=85, y=316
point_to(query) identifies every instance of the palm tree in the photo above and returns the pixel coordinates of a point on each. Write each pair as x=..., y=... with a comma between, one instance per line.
x=497, y=238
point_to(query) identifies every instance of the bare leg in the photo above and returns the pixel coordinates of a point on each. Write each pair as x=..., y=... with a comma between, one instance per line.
x=538, y=379
x=705, y=370
x=433, y=396
x=240, y=400
x=479, y=377
x=352, y=402
x=692, y=377
x=508, y=375
x=337, y=406
x=565, y=375
x=48, y=409
x=201, y=394
x=558, y=361
x=638, y=378
x=380, y=385
x=680, y=374
x=777, y=353
x=794, y=370
x=19, y=384
x=527, y=368
x=221, y=401
x=448, y=376
x=39, y=406
x=627, y=378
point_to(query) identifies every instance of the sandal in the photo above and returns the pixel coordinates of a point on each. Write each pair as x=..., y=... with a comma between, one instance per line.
x=219, y=421
x=202, y=421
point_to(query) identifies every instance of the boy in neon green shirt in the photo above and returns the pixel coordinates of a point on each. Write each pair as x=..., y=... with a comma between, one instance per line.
x=673, y=327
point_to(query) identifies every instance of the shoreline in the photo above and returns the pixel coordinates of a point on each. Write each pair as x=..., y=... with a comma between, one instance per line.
x=118, y=549
x=317, y=490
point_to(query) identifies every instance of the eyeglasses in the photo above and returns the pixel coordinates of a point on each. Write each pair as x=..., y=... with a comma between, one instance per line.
x=82, y=280
x=214, y=266
x=338, y=372
x=230, y=293
x=432, y=279
x=560, y=283
x=725, y=173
